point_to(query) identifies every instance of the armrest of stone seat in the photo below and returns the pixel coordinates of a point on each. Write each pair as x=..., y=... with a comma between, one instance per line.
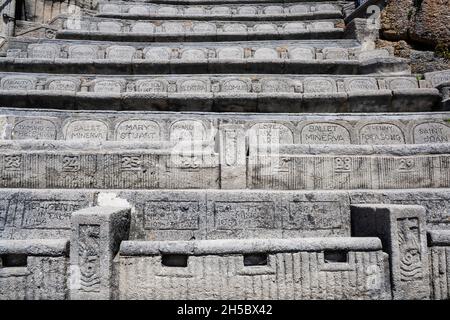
x=402, y=230
x=439, y=238
x=235, y=246
x=96, y=236
x=35, y=247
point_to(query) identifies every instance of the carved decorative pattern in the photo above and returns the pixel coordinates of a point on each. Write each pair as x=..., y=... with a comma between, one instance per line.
x=410, y=251
x=89, y=259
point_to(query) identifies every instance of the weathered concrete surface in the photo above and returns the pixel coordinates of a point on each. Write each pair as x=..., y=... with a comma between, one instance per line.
x=216, y=270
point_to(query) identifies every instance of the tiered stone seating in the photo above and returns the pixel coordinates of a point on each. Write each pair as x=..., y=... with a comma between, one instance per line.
x=222, y=147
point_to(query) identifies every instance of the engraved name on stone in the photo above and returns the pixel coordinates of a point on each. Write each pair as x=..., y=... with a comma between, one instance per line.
x=69, y=85
x=321, y=25
x=173, y=27
x=381, y=133
x=120, y=52
x=244, y=215
x=86, y=130
x=139, y=10
x=107, y=86
x=220, y=11
x=187, y=130
x=138, y=130
x=326, y=7
x=83, y=52
x=193, y=54
x=301, y=53
x=49, y=214
x=231, y=53
x=432, y=132
x=265, y=54
x=335, y=54
x=143, y=27
x=193, y=86
x=314, y=85
x=43, y=51
x=167, y=11
x=294, y=27
x=157, y=54
x=270, y=133
x=109, y=27
x=154, y=86
x=361, y=84
x=172, y=215
x=325, y=133
x=204, y=27
x=235, y=85
x=273, y=10
x=276, y=85
x=315, y=215
x=234, y=28
x=247, y=11
x=18, y=83
x=298, y=9
x=265, y=27
x=402, y=83
x=439, y=78
x=194, y=11
x=34, y=129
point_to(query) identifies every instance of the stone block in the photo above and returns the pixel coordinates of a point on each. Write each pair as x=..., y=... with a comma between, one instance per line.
x=439, y=253
x=96, y=236
x=402, y=230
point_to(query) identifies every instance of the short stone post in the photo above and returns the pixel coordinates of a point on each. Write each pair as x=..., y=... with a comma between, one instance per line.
x=402, y=230
x=96, y=236
x=233, y=160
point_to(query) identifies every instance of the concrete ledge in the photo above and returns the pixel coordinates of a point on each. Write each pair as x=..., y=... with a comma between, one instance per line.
x=439, y=238
x=222, y=247
x=36, y=247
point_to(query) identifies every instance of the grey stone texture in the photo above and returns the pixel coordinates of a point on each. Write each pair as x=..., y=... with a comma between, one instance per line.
x=96, y=236
x=237, y=149
x=402, y=231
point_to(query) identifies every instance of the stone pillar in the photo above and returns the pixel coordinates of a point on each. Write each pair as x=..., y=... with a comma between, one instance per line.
x=7, y=14
x=439, y=246
x=402, y=230
x=233, y=164
x=96, y=236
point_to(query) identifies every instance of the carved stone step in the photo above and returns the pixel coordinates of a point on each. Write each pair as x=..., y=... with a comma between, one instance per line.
x=342, y=129
x=184, y=164
x=108, y=29
x=209, y=214
x=225, y=2
x=263, y=12
x=230, y=93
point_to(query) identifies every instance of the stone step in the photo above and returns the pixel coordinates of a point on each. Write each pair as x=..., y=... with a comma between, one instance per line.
x=338, y=129
x=183, y=164
x=258, y=12
x=108, y=29
x=209, y=214
x=227, y=93
x=225, y=2
x=224, y=57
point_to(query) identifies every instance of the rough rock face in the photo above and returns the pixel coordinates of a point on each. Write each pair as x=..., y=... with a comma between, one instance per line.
x=423, y=21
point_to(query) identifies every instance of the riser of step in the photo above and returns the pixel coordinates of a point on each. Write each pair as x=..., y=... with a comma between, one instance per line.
x=344, y=129
x=265, y=12
x=81, y=164
x=208, y=214
x=225, y=2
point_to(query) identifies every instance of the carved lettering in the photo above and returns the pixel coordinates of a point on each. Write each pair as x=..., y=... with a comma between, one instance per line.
x=34, y=129
x=138, y=130
x=325, y=133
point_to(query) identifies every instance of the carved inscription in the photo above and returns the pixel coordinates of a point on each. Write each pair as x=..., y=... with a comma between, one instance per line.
x=172, y=215
x=154, y=86
x=270, y=134
x=83, y=52
x=49, y=214
x=89, y=257
x=138, y=130
x=361, y=84
x=231, y=147
x=381, y=133
x=157, y=54
x=244, y=215
x=143, y=27
x=402, y=83
x=43, y=51
x=107, y=86
x=275, y=85
x=325, y=133
x=12, y=163
x=432, y=133
x=314, y=85
x=410, y=252
x=231, y=53
x=18, y=83
x=235, y=85
x=131, y=162
x=193, y=86
x=109, y=27
x=63, y=85
x=301, y=54
x=70, y=164
x=120, y=52
x=305, y=215
x=86, y=130
x=38, y=129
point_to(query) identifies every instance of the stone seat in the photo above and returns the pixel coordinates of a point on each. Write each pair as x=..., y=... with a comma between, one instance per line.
x=108, y=29
x=362, y=129
x=232, y=269
x=264, y=12
x=187, y=164
x=223, y=93
x=34, y=269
